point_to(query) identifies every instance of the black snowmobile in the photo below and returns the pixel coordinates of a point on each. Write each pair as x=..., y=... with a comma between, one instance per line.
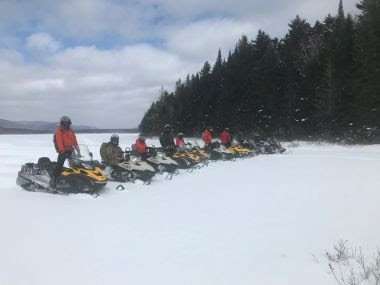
x=217, y=151
x=263, y=146
x=83, y=176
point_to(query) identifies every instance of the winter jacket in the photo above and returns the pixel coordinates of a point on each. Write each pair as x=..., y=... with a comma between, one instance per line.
x=225, y=137
x=111, y=154
x=207, y=137
x=65, y=140
x=179, y=142
x=167, y=140
x=140, y=147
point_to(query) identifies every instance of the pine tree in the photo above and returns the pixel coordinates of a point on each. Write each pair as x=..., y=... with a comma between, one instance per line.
x=296, y=54
x=367, y=85
x=321, y=80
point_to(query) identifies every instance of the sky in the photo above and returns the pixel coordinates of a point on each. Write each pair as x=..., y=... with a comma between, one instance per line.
x=103, y=62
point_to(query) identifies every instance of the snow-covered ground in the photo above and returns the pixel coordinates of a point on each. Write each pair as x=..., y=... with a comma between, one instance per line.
x=264, y=220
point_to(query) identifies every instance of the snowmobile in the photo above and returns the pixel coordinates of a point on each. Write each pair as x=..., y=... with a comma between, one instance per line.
x=160, y=161
x=189, y=156
x=265, y=146
x=217, y=151
x=130, y=169
x=183, y=162
x=81, y=177
x=240, y=151
x=201, y=154
x=183, y=159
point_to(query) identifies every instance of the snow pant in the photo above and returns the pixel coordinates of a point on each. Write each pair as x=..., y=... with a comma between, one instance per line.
x=60, y=162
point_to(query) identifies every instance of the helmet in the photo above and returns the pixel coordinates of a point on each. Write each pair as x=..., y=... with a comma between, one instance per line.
x=167, y=127
x=227, y=129
x=114, y=139
x=141, y=138
x=180, y=135
x=65, y=121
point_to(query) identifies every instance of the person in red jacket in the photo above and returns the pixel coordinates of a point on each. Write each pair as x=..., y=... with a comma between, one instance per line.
x=179, y=141
x=65, y=143
x=207, y=136
x=140, y=147
x=226, y=138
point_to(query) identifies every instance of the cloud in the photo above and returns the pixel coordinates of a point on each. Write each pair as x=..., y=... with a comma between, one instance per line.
x=109, y=88
x=42, y=42
x=97, y=20
x=201, y=40
x=80, y=20
x=40, y=85
x=134, y=65
x=112, y=56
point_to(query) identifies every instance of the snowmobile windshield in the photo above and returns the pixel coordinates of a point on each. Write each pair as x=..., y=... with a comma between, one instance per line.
x=84, y=155
x=82, y=159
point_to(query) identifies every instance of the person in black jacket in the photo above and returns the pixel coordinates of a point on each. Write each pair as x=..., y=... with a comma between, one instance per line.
x=167, y=139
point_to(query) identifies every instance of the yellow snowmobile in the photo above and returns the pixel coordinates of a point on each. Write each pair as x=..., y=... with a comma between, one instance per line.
x=83, y=175
x=200, y=153
x=240, y=151
x=186, y=158
x=189, y=156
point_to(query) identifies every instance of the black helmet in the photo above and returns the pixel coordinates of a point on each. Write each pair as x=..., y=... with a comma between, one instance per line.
x=65, y=122
x=114, y=139
x=141, y=138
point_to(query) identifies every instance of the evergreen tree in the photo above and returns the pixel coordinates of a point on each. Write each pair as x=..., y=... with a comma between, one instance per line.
x=367, y=85
x=297, y=54
x=318, y=81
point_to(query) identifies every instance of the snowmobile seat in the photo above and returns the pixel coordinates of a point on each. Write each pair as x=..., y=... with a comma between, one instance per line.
x=44, y=163
x=29, y=165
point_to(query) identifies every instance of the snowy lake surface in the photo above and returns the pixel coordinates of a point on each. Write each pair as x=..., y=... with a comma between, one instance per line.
x=263, y=220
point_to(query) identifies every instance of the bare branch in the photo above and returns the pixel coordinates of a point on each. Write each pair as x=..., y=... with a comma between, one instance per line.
x=349, y=266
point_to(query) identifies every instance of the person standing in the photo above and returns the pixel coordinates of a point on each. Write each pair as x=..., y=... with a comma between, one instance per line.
x=65, y=143
x=167, y=139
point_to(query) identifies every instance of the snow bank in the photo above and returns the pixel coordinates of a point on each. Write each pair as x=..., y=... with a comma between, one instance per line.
x=252, y=221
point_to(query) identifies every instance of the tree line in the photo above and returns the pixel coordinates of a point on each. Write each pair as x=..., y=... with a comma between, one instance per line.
x=319, y=81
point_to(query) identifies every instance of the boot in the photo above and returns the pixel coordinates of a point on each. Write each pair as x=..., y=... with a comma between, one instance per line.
x=53, y=182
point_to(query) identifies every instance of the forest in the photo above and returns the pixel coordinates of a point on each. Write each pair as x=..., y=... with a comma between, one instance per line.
x=320, y=81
